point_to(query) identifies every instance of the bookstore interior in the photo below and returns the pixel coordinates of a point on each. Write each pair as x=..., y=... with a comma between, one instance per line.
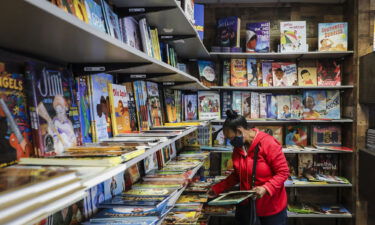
x=161, y=112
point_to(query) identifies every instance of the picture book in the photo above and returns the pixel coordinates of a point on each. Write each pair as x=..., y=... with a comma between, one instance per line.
x=208, y=105
x=271, y=107
x=199, y=19
x=154, y=105
x=114, y=186
x=166, y=154
x=263, y=105
x=314, y=103
x=84, y=109
x=326, y=164
x=296, y=104
x=293, y=36
x=111, y=20
x=283, y=107
x=207, y=73
x=128, y=212
x=79, y=10
x=296, y=135
x=15, y=130
x=181, y=218
x=238, y=73
x=75, y=213
x=178, y=101
x=50, y=101
x=228, y=32
x=191, y=139
x=284, y=74
x=118, y=101
x=292, y=160
x=226, y=102
x=258, y=37
x=328, y=72
x=237, y=102
x=218, y=136
x=307, y=76
x=97, y=196
x=101, y=106
x=226, y=161
x=95, y=14
x=143, y=114
x=260, y=75
x=150, y=163
x=326, y=135
x=334, y=209
x=333, y=105
x=132, y=33
x=252, y=72
x=189, y=10
x=170, y=105
x=246, y=104
x=232, y=198
x=267, y=76
x=191, y=199
x=146, y=37
x=226, y=73
x=132, y=106
x=150, y=192
x=305, y=165
x=190, y=106
x=275, y=131
x=121, y=200
x=333, y=36
x=254, y=109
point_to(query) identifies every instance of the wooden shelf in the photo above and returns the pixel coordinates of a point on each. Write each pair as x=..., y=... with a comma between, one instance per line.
x=281, y=88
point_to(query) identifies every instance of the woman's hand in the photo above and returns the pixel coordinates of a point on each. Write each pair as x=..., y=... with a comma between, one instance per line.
x=211, y=194
x=260, y=191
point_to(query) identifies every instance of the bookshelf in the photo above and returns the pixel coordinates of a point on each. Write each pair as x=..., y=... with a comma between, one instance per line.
x=317, y=185
x=342, y=87
x=279, y=55
x=223, y=149
x=295, y=215
x=343, y=120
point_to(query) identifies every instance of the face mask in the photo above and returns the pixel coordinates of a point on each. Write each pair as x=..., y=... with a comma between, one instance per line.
x=237, y=142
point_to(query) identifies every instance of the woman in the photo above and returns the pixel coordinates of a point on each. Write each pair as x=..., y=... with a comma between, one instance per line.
x=271, y=173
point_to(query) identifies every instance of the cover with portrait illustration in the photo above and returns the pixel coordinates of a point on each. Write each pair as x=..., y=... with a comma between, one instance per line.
x=329, y=72
x=228, y=32
x=207, y=73
x=284, y=74
x=333, y=36
x=154, y=104
x=258, y=37
x=314, y=103
x=208, y=105
x=118, y=101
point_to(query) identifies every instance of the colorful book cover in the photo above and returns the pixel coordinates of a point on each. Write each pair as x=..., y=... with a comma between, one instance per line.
x=50, y=106
x=246, y=105
x=97, y=197
x=146, y=37
x=74, y=110
x=271, y=107
x=154, y=105
x=267, y=76
x=190, y=106
x=284, y=74
x=258, y=37
x=84, y=109
x=326, y=135
x=143, y=113
x=238, y=73
x=170, y=105
x=111, y=21
x=333, y=36
x=226, y=103
x=228, y=32
x=263, y=105
x=132, y=33
x=95, y=14
x=131, y=176
x=207, y=73
x=333, y=109
x=199, y=19
x=292, y=160
x=15, y=130
x=208, y=105
x=132, y=106
x=314, y=103
x=274, y=131
x=254, y=109
x=178, y=101
x=305, y=165
x=80, y=10
x=119, y=214
x=307, y=76
x=150, y=163
x=150, y=192
x=326, y=164
x=166, y=154
x=76, y=213
x=100, y=104
x=296, y=136
x=114, y=186
x=65, y=5
x=118, y=101
x=226, y=161
x=329, y=72
x=237, y=102
x=218, y=135
x=260, y=74
x=293, y=36
x=283, y=107
x=252, y=72
x=226, y=73
x=296, y=104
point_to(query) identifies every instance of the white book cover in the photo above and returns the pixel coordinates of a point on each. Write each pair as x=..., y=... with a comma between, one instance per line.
x=293, y=36
x=189, y=10
x=209, y=105
x=254, y=105
x=283, y=107
x=237, y=102
x=132, y=32
x=263, y=105
x=146, y=40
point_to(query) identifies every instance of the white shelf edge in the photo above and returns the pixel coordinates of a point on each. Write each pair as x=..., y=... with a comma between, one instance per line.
x=290, y=55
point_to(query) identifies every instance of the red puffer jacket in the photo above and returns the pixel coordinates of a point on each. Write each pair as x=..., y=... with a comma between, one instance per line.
x=271, y=173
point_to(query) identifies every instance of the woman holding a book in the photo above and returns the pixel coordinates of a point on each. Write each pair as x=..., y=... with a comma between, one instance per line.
x=272, y=171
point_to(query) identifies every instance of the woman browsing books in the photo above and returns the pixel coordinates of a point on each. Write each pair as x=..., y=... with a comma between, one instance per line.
x=271, y=172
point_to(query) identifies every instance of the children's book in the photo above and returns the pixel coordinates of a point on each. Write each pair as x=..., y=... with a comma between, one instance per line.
x=150, y=163
x=271, y=107
x=296, y=105
x=296, y=136
x=238, y=73
x=228, y=32
x=170, y=105
x=84, y=108
x=111, y=21
x=218, y=136
x=326, y=164
x=143, y=112
x=95, y=14
x=80, y=10
x=263, y=105
x=118, y=101
x=328, y=72
x=132, y=106
x=150, y=192
x=334, y=209
x=305, y=165
x=292, y=160
x=208, y=105
x=226, y=103
x=232, y=198
x=293, y=36
x=226, y=161
x=199, y=19
x=267, y=76
x=114, y=186
x=260, y=74
x=283, y=107
x=178, y=101
x=252, y=72
x=284, y=74
x=226, y=72
x=132, y=33
x=97, y=197
x=190, y=106
x=127, y=215
x=154, y=105
x=333, y=36
x=237, y=102
x=246, y=104
x=326, y=135
x=254, y=109
x=333, y=105
x=258, y=37
x=207, y=73
x=307, y=76
x=274, y=131
x=314, y=103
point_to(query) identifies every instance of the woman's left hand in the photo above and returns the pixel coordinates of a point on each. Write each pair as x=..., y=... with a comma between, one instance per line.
x=260, y=191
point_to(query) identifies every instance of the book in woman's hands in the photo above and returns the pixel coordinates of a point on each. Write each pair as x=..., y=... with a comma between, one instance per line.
x=232, y=198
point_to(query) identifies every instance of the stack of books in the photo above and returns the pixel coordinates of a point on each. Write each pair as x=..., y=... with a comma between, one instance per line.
x=370, y=139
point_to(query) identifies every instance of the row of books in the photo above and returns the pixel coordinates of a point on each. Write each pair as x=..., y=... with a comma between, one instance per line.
x=331, y=36
x=323, y=209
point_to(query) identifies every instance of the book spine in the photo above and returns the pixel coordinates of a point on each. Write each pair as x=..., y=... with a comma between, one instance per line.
x=157, y=44
x=143, y=31
x=112, y=109
x=93, y=123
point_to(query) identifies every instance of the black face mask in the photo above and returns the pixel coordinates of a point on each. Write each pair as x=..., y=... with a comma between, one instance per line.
x=237, y=142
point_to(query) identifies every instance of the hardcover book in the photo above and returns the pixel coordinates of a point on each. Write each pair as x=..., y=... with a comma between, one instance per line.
x=84, y=108
x=190, y=106
x=267, y=76
x=333, y=105
x=120, y=200
x=246, y=104
x=114, y=186
x=326, y=164
x=293, y=36
x=283, y=107
x=271, y=107
x=254, y=109
x=232, y=198
x=284, y=74
x=226, y=73
x=125, y=212
x=80, y=10
x=226, y=161
x=238, y=73
x=314, y=103
x=274, y=131
x=296, y=136
x=326, y=135
x=132, y=106
x=208, y=105
x=307, y=76
x=228, y=32
x=199, y=19
x=258, y=37
x=207, y=73
x=143, y=113
x=111, y=21
x=237, y=102
x=95, y=14
x=150, y=192
x=132, y=33
x=118, y=101
x=296, y=103
x=328, y=72
x=154, y=105
x=305, y=166
x=333, y=36
x=252, y=72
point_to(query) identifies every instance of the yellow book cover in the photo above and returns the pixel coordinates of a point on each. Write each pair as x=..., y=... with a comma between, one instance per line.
x=238, y=73
x=307, y=76
x=80, y=10
x=93, y=126
x=157, y=44
x=192, y=198
x=118, y=101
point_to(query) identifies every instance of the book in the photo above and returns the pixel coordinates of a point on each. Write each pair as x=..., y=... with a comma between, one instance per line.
x=263, y=105
x=283, y=107
x=328, y=72
x=258, y=37
x=296, y=103
x=111, y=20
x=305, y=165
x=131, y=176
x=132, y=33
x=190, y=107
x=178, y=101
x=284, y=74
x=187, y=199
x=95, y=14
x=333, y=36
x=226, y=102
x=65, y=5
x=326, y=135
x=307, y=76
x=218, y=136
x=132, y=106
x=296, y=135
x=333, y=109
x=120, y=200
x=274, y=131
x=267, y=76
x=150, y=192
x=314, y=103
x=207, y=73
x=84, y=108
x=252, y=72
x=272, y=107
x=145, y=37
x=15, y=130
x=199, y=19
x=143, y=114
x=226, y=73
x=115, y=214
x=181, y=218
x=228, y=32
x=154, y=105
x=293, y=36
x=246, y=104
x=118, y=101
x=226, y=161
x=334, y=209
x=238, y=73
x=170, y=105
x=254, y=109
x=326, y=164
x=237, y=102
x=292, y=160
x=189, y=10
x=80, y=10
x=72, y=161
x=114, y=186
x=208, y=105
x=232, y=198
x=100, y=105
x=50, y=106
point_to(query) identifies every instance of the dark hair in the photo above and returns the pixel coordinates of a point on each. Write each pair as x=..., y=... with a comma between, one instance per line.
x=234, y=121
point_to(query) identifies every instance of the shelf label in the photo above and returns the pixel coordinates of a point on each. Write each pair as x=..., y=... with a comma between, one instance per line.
x=169, y=83
x=138, y=76
x=94, y=68
x=137, y=10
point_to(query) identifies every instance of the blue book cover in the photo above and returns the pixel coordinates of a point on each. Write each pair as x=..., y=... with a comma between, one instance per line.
x=140, y=91
x=271, y=107
x=84, y=109
x=333, y=105
x=237, y=101
x=97, y=196
x=125, y=212
x=314, y=103
x=258, y=37
x=95, y=14
x=155, y=201
x=112, y=21
x=252, y=75
x=199, y=19
x=114, y=186
x=226, y=102
x=228, y=32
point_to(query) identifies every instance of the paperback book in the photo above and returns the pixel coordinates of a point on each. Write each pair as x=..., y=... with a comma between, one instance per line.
x=326, y=164
x=118, y=101
x=254, y=109
x=226, y=73
x=132, y=32
x=84, y=108
x=314, y=103
x=283, y=107
x=95, y=14
x=333, y=105
x=333, y=36
x=232, y=198
x=296, y=136
x=252, y=72
x=170, y=105
x=199, y=19
x=238, y=73
x=208, y=105
x=263, y=105
x=111, y=20
x=190, y=106
x=305, y=166
x=131, y=106
x=258, y=37
x=246, y=104
x=228, y=32
x=143, y=114
x=267, y=76
x=307, y=76
x=207, y=73
x=154, y=105
x=226, y=102
x=296, y=103
x=293, y=36
x=237, y=102
x=272, y=107
x=274, y=131
x=326, y=135
x=328, y=72
x=284, y=74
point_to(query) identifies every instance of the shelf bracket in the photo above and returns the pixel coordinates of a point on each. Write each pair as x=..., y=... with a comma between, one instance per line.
x=174, y=37
x=126, y=77
x=92, y=68
x=134, y=11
